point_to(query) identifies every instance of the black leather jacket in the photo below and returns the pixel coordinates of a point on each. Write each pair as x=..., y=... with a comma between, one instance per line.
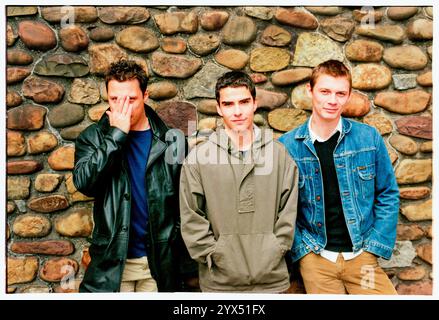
x=101, y=172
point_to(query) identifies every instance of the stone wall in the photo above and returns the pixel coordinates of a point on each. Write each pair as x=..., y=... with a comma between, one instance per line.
x=56, y=58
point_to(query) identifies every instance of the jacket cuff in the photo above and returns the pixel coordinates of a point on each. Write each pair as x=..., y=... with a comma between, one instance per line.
x=378, y=249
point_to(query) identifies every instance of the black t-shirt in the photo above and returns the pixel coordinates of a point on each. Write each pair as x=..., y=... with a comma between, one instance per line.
x=337, y=232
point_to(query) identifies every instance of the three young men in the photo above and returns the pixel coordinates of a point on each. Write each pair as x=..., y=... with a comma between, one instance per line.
x=348, y=195
x=136, y=243
x=239, y=195
x=238, y=198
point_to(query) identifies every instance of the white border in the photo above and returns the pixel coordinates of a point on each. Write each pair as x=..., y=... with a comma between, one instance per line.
x=206, y=296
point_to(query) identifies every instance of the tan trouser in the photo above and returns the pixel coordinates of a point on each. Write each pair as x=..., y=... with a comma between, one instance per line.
x=360, y=275
x=136, y=276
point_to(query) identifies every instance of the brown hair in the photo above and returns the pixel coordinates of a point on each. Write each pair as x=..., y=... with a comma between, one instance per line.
x=235, y=79
x=124, y=70
x=332, y=68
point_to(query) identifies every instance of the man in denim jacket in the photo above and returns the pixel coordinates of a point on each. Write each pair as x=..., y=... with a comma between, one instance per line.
x=348, y=195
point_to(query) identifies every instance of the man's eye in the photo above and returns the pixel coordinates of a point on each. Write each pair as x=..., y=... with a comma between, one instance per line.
x=341, y=94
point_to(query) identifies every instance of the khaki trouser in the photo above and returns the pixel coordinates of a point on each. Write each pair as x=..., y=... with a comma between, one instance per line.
x=136, y=276
x=360, y=275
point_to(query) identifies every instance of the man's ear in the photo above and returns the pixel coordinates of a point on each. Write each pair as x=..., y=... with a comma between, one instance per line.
x=145, y=96
x=309, y=89
x=218, y=109
x=255, y=105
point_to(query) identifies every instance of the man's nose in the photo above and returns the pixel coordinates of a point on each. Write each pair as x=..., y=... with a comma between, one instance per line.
x=332, y=98
x=237, y=109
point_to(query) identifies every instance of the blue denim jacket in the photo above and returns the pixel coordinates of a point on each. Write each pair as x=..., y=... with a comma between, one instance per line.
x=368, y=190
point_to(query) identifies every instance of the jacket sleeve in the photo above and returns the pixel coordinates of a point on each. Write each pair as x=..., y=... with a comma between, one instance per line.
x=94, y=161
x=382, y=237
x=195, y=228
x=287, y=212
x=187, y=266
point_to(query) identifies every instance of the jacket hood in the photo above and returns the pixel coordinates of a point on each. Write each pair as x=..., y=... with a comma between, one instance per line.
x=262, y=137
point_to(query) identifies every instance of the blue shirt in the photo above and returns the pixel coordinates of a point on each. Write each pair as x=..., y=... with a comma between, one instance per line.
x=138, y=148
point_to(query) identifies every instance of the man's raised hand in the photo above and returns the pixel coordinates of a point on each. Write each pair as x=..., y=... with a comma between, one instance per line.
x=120, y=113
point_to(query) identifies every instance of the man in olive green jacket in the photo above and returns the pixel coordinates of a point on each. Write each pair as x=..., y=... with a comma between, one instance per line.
x=238, y=199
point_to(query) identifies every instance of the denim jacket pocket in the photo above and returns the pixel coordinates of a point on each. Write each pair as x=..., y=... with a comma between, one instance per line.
x=366, y=172
x=367, y=180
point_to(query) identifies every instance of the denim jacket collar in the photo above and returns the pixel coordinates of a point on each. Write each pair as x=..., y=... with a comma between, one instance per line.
x=303, y=132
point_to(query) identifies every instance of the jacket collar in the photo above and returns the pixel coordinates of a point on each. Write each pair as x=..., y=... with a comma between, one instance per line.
x=220, y=138
x=158, y=127
x=303, y=132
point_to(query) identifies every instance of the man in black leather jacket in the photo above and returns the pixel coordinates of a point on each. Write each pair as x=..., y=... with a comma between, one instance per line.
x=130, y=163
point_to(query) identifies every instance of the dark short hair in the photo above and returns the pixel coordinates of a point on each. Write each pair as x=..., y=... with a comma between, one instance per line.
x=332, y=68
x=235, y=79
x=124, y=70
